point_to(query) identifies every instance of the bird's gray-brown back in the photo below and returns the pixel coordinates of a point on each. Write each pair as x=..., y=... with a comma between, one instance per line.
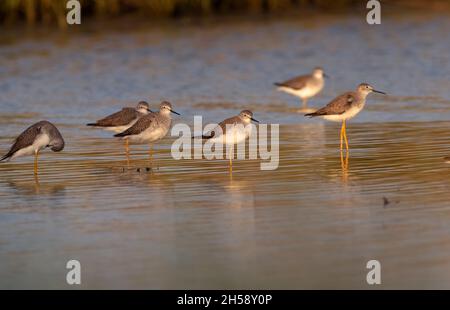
x=29, y=135
x=223, y=126
x=120, y=118
x=297, y=82
x=340, y=104
x=235, y=120
x=147, y=122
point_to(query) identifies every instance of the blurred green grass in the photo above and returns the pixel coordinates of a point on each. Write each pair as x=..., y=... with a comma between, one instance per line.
x=53, y=12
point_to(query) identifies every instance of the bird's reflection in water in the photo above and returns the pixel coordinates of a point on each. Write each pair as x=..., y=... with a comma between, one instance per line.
x=239, y=192
x=36, y=187
x=344, y=166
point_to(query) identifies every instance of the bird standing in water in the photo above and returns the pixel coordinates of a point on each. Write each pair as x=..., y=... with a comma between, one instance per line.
x=232, y=131
x=122, y=120
x=345, y=107
x=304, y=86
x=35, y=138
x=151, y=127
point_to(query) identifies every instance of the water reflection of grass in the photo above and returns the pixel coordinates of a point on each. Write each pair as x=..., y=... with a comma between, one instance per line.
x=53, y=11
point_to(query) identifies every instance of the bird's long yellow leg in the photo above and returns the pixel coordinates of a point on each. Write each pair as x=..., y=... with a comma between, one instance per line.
x=36, y=156
x=344, y=166
x=345, y=135
x=150, y=153
x=304, y=101
x=342, y=133
x=231, y=159
x=346, y=160
x=37, y=186
x=127, y=151
x=344, y=163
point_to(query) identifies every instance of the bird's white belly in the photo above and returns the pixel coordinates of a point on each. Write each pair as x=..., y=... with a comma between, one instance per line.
x=236, y=135
x=344, y=116
x=148, y=136
x=306, y=92
x=39, y=143
x=119, y=129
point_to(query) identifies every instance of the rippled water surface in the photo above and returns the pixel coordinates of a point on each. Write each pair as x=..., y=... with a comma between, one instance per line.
x=312, y=223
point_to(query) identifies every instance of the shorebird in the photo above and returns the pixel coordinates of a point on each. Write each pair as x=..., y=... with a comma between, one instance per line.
x=34, y=139
x=304, y=86
x=151, y=127
x=232, y=131
x=122, y=120
x=345, y=107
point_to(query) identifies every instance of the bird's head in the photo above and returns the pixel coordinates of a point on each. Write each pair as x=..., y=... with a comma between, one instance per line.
x=367, y=89
x=143, y=107
x=319, y=73
x=166, y=108
x=57, y=145
x=247, y=116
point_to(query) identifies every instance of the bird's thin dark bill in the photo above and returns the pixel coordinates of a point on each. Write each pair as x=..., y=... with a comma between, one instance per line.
x=149, y=110
x=378, y=91
x=326, y=76
x=254, y=120
x=175, y=112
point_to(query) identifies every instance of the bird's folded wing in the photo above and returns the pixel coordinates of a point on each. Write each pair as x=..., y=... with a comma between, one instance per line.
x=296, y=83
x=24, y=140
x=121, y=118
x=337, y=106
x=141, y=124
x=221, y=128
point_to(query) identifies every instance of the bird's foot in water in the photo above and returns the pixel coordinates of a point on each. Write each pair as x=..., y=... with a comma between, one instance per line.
x=137, y=169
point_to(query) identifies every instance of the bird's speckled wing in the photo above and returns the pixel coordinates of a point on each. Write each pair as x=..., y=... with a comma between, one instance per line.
x=121, y=118
x=142, y=124
x=25, y=139
x=223, y=125
x=296, y=83
x=337, y=106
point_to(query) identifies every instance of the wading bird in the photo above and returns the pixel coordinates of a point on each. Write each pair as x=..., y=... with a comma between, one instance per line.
x=304, y=86
x=151, y=127
x=232, y=131
x=122, y=120
x=34, y=139
x=345, y=107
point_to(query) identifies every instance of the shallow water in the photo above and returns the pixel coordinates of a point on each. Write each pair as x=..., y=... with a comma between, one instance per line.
x=312, y=223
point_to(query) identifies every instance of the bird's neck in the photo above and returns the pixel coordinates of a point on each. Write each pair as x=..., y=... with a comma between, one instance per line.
x=142, y=111
x=165, y=114
x=244, y=120
x=362, y=95
x=318, y=76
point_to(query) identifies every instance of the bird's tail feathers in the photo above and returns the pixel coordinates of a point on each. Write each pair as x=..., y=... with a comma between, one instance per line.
x=122, y=134
x=314, y=114
x=5, y=157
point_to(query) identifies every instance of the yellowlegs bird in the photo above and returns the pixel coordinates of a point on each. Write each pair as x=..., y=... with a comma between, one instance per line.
x=345, y=107
x=151, y=127
x=122, y=120
x=304, y=86
x=232, y=131
x=35, y=138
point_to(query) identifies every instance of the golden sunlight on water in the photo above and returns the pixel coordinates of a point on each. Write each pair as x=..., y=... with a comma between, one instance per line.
x=312, y=223
x=176, y=222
